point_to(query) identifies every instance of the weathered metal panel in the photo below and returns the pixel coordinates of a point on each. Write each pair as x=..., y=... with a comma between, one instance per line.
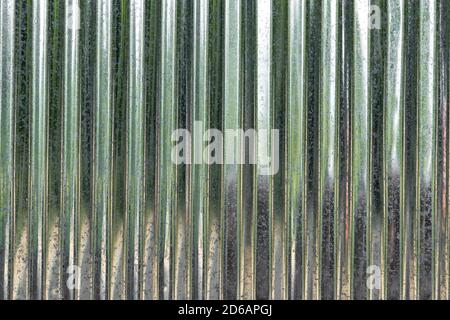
x=94, y=203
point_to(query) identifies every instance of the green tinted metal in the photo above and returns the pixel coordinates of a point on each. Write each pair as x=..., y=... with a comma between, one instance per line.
x=94, y=206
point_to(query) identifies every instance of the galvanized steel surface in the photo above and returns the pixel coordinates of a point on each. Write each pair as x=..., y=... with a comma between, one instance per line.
x=92, y=206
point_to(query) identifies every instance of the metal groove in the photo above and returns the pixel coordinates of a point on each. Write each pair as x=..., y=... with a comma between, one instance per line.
x=99, y=201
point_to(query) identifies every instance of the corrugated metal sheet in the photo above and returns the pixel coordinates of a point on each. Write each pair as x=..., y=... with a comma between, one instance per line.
x=92, y=206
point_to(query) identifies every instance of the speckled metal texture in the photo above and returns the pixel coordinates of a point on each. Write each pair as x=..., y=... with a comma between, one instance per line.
x=92, y=205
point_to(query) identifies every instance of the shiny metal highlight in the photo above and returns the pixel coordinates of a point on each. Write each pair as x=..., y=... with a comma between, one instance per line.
x=93, y=207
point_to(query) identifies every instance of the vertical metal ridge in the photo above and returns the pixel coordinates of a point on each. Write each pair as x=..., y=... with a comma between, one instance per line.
x=182, y=256
x=393, y=176
x=296, y=168
x=166, y=176
x=38, y=153
x=426, y=151
x=7, y=183
x=120, y=72
x=238, y=281
x=216, y=68
x=328, y=155
x=248, y=179
x=343, y=225
x=22, y=153
x=71, y=150
x=348, y=199
x=135, y=150
x=361, y=146
x=85, y=235
x=263, y=121
x=151, y=52
x=200, y=277
x=55, y=78
x=102, y=162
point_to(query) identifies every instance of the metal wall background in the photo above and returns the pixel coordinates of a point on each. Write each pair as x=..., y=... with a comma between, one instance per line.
x=86, y=177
